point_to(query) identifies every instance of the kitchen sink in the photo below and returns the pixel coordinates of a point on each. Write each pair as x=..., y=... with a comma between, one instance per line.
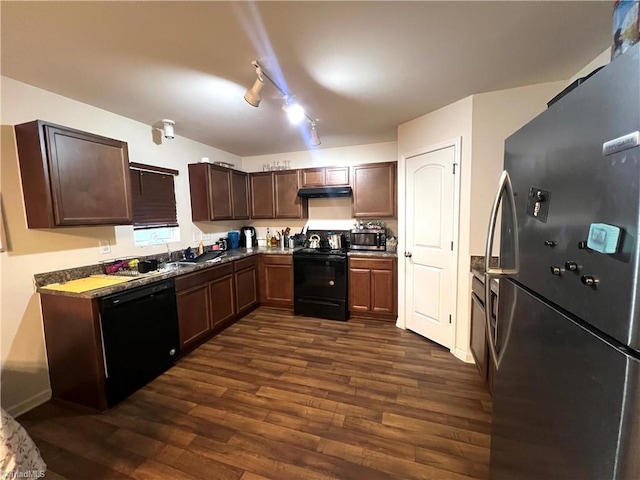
x=176, y=265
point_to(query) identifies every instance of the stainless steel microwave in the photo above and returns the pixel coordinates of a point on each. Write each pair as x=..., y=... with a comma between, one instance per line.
x=368, y=239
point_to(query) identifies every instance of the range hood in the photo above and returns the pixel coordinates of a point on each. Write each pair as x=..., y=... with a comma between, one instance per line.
x=324, y=192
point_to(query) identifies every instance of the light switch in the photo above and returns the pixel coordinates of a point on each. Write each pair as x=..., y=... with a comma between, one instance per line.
x=105, y=247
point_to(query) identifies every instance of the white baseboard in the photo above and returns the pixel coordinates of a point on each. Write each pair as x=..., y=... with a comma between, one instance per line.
x=463, y=355
x=29, y=403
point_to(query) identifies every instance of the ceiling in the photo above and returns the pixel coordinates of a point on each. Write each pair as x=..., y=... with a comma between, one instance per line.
x=361, y=68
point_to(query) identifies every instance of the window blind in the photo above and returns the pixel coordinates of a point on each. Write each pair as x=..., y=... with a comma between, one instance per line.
x=154, y=199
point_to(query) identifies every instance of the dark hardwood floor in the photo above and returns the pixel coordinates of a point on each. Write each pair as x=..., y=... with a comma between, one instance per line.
x=283, y=397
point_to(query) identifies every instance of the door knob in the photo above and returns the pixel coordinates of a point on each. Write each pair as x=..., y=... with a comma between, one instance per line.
x=408, y=254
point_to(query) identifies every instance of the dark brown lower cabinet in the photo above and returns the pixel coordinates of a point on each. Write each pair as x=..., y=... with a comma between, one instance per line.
x=205, y=300
x=74, y=350
x=478, y=342
x=372, y=287
x=211, y=299
x=194, y=313
x=479, y=348
x=359, y=290
x=223, y=302
x=276, y=279
x=246, y=284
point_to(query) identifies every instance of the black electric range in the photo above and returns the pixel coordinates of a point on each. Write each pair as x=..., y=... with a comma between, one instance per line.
x=320, y=287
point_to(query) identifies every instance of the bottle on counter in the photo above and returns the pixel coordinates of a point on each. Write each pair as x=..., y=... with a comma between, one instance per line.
x=200, y=248
x=268, y=237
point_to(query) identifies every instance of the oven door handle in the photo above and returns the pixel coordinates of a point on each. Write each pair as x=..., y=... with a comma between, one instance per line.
x=320, y=258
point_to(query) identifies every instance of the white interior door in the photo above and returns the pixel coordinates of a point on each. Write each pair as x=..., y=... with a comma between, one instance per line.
x=429, y=257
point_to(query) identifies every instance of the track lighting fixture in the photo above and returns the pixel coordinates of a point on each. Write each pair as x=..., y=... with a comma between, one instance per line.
x=252, y=96
x=294, y=110
x=315, y=139
x=167, y=127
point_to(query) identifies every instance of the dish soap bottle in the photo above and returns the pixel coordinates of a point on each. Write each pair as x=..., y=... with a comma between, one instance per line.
x=268, y=237
x=200, y=248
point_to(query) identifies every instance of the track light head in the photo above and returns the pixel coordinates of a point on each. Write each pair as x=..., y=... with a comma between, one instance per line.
x=295, y=112
x=252, y=96
x=167, y=127
x=315, y=138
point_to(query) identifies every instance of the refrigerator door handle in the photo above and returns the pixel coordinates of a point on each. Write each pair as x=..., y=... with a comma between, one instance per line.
x=496, y=355
x=491, y=339
x=504, y=187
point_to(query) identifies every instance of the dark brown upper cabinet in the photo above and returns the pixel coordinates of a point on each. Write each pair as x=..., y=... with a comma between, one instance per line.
x=374, y=190
x=217, y=193
x=240, y=194
x=325, y=177
x=275, y=195
x=261, y=187
x=71, y=178
x=287, y=202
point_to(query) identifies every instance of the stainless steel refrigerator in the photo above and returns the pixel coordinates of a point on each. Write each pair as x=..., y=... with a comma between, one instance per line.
x=566, y=399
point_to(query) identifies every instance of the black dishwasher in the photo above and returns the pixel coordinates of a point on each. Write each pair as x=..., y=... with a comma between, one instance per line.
x=140, y=337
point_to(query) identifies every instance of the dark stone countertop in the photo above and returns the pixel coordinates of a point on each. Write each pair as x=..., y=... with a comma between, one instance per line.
x=140, y=280
x=369, y=253
x=477, y=269
x=62, y=276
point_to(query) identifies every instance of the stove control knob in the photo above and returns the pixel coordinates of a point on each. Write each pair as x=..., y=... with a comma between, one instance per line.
x=556, y=270
x=589, y=281
x=572, y=266
x=408, y=254
x=550, y=243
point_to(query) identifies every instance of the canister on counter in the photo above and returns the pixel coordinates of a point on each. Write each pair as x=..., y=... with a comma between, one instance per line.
x=392, y=244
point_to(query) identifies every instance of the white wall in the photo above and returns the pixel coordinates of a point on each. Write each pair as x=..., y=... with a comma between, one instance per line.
x=25, y=381
x=496, y=115
x=603, y=59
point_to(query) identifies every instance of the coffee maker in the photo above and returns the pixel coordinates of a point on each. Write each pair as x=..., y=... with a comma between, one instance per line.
x=248, y=237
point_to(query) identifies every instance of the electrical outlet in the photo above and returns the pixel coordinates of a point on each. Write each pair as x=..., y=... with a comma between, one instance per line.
x=105, y=247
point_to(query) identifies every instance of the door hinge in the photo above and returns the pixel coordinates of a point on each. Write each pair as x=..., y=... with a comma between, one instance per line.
x=454, y=168
x=452, y=246
x=449, y=318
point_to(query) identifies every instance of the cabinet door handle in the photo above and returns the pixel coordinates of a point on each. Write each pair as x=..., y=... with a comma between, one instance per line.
x=408, y=254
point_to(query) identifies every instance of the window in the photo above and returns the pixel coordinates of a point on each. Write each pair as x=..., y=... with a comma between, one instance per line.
x=144, y=237
x=153, y=196
x=154, y=205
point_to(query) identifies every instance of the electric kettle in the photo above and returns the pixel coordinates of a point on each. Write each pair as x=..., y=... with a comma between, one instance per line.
x=248, y=237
